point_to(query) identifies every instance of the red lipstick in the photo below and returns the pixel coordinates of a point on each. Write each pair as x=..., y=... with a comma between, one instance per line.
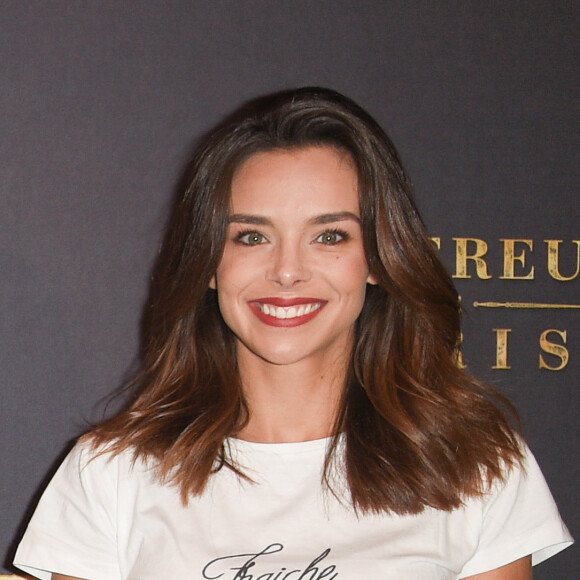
x=286, y=312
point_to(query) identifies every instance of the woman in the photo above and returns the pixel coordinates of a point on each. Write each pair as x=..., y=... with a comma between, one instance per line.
x=299, y=413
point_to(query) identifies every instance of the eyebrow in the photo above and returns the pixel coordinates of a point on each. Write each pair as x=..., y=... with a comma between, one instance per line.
x=326, y=218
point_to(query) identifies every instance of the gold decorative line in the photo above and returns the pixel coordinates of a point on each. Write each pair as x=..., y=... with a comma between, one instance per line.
x=523, y=305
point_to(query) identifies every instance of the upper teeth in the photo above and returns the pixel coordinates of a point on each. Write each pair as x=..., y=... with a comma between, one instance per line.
x=288, y=311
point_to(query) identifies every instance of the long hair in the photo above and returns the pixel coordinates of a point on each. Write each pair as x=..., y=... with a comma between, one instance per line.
x=418, y=430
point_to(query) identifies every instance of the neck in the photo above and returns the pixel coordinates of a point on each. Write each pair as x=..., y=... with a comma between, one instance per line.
x=290, y=403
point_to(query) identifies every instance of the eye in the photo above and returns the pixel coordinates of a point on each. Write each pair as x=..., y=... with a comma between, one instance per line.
x=250, y=238
x=332, y=237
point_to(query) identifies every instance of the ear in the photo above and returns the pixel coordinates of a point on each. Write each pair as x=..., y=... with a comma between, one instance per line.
x=212, y=283
x=372, y=280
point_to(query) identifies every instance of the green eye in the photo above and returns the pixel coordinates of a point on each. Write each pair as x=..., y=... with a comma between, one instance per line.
x=332, y=237
x=250, y=238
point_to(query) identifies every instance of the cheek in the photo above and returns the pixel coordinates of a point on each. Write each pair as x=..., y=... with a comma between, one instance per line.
x=231, y=278
x=352, y=271
x=349, y=279
x=227, y=301
x=226, y=272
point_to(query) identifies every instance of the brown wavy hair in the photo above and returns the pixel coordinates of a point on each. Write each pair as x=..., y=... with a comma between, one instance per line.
x=419, y=431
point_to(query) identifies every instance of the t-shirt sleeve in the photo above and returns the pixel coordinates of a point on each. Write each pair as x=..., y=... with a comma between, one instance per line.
x=73, y=529
x=518, y=519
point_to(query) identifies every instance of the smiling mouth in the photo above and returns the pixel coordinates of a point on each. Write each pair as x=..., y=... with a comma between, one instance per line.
x=287, y=312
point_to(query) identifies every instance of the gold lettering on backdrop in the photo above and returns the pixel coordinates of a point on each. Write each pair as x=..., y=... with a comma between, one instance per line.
x=501, y=348
x=473, y=260
x=555, y=349
x=510, y=258
x=436, y=241
x=554, y=260
x=462, y=257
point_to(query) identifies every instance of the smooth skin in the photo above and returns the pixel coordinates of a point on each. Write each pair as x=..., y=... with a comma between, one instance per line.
x=295, y=236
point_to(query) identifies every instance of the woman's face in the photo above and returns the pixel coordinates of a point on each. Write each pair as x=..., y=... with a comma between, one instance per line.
x=292, y=279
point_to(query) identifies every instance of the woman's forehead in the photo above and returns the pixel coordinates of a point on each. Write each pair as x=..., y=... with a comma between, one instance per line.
x=317, y=177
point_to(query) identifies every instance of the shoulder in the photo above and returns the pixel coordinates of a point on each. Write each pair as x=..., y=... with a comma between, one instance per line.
x=100, y=469
x=523, y=482
x=515, y=518
x=89, y=485
x=87, y=456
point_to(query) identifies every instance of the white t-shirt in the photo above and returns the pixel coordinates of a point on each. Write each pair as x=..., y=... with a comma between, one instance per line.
x=109, y=519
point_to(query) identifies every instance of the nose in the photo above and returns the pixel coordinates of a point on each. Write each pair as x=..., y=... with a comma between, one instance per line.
x=288, y=266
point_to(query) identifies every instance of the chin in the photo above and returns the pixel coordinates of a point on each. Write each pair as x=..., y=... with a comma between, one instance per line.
x=282, y=358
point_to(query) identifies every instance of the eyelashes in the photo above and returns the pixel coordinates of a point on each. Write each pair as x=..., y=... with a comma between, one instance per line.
x=332, y=237
x=250, y=238
x=329, y=237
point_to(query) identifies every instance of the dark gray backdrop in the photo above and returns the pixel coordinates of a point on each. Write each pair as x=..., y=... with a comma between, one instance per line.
x=101, y=101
